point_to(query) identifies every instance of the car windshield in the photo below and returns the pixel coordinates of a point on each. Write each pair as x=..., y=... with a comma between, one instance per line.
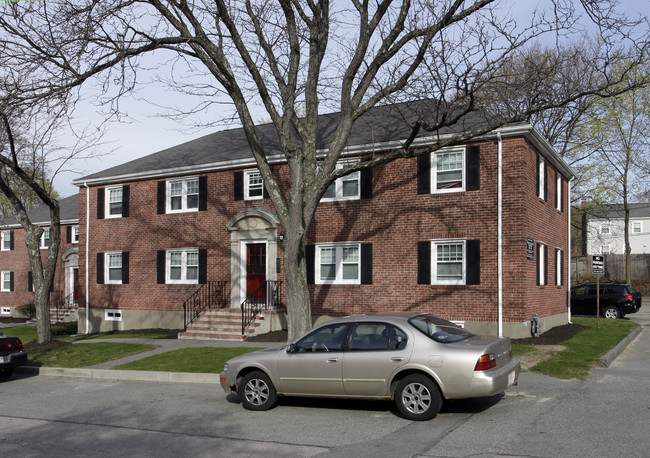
x=439, y=330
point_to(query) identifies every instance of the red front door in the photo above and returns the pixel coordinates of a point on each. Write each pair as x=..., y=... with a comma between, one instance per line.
x=75, y=285
x=255, y=270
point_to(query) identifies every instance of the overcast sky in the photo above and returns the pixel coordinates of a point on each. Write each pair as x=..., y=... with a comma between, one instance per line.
x=147, y=132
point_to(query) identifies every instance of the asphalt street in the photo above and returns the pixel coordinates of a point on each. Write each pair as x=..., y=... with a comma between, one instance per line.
x=605, y=415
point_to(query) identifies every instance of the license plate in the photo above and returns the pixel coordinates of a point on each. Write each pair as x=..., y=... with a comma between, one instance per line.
x=2, y=359
x=511, y=378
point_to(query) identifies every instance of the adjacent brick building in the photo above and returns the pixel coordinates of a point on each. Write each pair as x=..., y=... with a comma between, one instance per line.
x=16, y=287
x=477, y=233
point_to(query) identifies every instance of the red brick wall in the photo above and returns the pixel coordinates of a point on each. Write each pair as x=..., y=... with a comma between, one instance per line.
x=394, y=221
x=17, y=261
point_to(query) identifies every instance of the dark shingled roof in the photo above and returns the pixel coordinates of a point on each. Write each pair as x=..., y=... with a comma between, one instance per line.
x=69, y=207
x=379, y=125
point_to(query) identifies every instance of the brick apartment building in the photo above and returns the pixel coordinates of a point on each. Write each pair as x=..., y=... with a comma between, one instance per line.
x=476, y=233
x=16, y=288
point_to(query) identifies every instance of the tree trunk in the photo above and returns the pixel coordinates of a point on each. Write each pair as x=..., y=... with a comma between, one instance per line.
x=298, y=301
x=41, y=287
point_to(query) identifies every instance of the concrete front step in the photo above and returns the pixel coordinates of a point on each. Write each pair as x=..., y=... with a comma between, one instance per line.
x=223, y=324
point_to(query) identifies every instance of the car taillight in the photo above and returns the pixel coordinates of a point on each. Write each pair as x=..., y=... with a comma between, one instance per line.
x=628, y=297
x=18, y=345
x=486, y=362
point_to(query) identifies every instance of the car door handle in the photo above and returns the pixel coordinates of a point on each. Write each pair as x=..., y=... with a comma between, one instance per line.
x=332, y=360
x=397, y=358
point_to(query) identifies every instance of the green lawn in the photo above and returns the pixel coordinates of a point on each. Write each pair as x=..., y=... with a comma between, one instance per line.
x=208, y=360
x=585, y=349
x=86, y=354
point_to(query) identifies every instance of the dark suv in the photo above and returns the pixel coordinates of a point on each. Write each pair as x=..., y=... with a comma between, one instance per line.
x=616, y=300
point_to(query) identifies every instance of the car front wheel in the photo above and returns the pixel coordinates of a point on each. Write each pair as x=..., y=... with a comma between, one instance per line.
x=257, y=392
x=418, y=398
x=611, y=312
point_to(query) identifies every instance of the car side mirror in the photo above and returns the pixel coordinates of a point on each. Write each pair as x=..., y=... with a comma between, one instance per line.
x=291, y=348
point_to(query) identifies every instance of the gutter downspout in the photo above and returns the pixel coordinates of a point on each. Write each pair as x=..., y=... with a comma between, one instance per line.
x=499, y=232
x=87, y=251
x=568, y=279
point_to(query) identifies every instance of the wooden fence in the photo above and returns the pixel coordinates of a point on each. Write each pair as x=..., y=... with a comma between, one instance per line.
x=614, y=268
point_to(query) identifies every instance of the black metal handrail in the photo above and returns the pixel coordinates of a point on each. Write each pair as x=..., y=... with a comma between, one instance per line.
x=57, y=304
x=211, y=295
x=267, y=295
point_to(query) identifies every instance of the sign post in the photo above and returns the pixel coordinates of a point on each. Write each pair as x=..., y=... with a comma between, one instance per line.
x=598, y=269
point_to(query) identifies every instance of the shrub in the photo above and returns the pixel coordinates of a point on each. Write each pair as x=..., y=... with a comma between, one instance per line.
x=27, y=311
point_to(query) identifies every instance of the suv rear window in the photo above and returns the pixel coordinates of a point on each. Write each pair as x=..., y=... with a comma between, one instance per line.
x=440, y=330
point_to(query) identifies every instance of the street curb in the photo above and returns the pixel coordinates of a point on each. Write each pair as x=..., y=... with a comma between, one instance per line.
x=109, y=374
x=611, y=355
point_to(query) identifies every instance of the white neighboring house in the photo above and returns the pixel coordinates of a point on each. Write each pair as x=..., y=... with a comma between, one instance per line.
x=605, y=230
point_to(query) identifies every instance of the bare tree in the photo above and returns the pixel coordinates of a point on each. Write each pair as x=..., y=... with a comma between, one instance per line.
x=296, y=59
x=615, y=137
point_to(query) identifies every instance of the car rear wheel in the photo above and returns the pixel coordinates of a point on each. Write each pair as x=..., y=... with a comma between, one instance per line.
x=418, y=398
x=612, y=312
x=257, y=392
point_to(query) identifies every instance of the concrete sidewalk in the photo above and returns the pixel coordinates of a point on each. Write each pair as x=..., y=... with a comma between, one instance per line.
x=104, y=371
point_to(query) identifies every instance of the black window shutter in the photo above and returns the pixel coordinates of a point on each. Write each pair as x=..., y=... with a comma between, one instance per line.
x=161, y=197
x=126, y=199
x=424, y=263
x=125, y=267
x=11, y=240
x=11, y=281
x=424, y=175
x=537, y=177
x=160, y=267
x=100, y=268
x=100, y=203
x=203, y=193
x=203, y=266
x=366, y=263
x=473, y=168
x=30, y=282
x=366, y=183
x=68, y=234
x=310, y=259
x=473, y=266
x=239, y=185
x=265, y=192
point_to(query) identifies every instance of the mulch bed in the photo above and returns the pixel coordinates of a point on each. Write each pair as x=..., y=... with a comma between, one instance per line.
x=553, y=336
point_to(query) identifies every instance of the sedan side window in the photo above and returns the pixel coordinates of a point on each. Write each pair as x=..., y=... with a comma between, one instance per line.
x=327, y=338
x=377, y=336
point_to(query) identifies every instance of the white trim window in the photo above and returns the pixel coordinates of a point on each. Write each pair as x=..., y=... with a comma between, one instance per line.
x=448, y=170
x=75, y=234
x=113, y=268
x=6, y=240
x=605, y=228
x=183, y=195
x=5, y=310
x=559, y=267
x=344, y=188
x=448, y=259
x=338, y=263
x=112, y=315
x=637, y=227
x=542, y=252
x=45, y=239
x=182, y=266
x=541, y=178
x=253, y=185
x=558, y=191
x=114, y=199
x=6, y=283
